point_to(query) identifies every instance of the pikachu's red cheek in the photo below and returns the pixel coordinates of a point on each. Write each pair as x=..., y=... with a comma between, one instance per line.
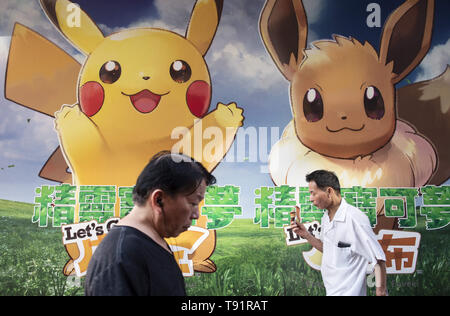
x=198, y=97
x=91, y=96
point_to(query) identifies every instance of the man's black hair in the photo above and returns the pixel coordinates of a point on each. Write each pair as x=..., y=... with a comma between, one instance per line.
x=324, y=179
x=172, y=173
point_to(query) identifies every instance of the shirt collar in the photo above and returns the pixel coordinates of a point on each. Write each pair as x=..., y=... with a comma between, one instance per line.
x=341, y=211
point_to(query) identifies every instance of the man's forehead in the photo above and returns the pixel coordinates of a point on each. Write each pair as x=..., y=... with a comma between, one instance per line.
x=200, y=191
x=312, y=185
x=313, y=188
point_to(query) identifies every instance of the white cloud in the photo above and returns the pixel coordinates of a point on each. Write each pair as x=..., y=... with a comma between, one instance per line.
x=175, y=13
x=313, y=10
x=4, y=44
x=256, y=71
x=435, y=62
x=158, y=24
x=25, y=135
x=25, y=12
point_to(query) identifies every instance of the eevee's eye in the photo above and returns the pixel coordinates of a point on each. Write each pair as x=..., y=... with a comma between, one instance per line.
x=180, y=71
x=110, y=71
x=313, y=105
x=373, y=103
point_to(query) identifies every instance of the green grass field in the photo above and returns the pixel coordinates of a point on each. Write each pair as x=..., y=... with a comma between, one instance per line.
x=250, y=261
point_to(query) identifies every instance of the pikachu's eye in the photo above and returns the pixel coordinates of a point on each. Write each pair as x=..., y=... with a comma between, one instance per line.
x=313, y=105
x=110, y=72
x=373, y=103
x=180, y=71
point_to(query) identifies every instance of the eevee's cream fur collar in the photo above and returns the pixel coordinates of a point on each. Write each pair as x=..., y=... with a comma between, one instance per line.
x=408, y=160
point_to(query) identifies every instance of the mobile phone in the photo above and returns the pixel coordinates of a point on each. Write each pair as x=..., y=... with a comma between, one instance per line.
x=293, y=215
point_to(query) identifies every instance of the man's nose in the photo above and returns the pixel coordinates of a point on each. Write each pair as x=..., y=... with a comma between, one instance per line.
x=195, y=214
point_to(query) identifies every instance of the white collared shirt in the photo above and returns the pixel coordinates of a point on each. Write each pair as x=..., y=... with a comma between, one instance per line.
x=350, y=250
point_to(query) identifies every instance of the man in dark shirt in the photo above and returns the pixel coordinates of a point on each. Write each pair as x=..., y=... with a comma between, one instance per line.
x=134, y=259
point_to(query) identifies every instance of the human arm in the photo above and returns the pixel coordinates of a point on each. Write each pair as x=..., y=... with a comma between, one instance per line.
x=366, y=244
x=380, y=278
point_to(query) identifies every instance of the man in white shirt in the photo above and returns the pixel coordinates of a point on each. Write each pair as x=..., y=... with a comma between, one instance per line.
x=347, y=241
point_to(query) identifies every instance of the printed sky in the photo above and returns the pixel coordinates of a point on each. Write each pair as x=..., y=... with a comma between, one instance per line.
x=240, y=68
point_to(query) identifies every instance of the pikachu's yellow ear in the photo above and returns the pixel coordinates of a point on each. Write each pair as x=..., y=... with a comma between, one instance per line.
x=203, y=24
x=74, y=24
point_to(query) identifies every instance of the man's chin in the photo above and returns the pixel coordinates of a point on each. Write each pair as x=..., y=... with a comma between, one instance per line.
x=183, y=229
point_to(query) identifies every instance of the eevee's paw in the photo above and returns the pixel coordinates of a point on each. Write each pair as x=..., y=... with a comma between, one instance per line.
x=229, y=115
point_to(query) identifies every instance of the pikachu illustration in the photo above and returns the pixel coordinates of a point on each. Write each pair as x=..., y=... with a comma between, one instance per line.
x=119, y=108
x=343, y=101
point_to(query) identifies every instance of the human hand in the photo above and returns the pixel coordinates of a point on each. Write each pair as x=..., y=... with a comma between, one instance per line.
x=381, y=291
x=298, y=228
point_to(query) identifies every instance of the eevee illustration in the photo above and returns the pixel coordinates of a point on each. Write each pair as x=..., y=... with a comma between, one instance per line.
x=343, y=101
x=135, y=87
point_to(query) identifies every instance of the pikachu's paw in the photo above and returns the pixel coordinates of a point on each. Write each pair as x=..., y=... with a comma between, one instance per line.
x=69, y=268
x=206, y=266
x=229, y=115
x=66, y=113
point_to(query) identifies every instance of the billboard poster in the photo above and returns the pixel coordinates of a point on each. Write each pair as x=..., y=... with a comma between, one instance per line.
x=261, y=92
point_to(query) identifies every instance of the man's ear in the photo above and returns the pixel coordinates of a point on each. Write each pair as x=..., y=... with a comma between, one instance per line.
x=155, y=200
x=330, y=190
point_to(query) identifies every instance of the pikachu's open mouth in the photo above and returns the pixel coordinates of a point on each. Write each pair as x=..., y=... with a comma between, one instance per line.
x=144, y=101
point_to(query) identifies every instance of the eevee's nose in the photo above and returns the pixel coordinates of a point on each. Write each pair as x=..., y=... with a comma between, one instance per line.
x=342, y=115
x=146, y=77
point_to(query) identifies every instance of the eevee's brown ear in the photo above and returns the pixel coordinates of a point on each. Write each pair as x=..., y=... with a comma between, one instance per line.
x=407, y=36
x=284, y=30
